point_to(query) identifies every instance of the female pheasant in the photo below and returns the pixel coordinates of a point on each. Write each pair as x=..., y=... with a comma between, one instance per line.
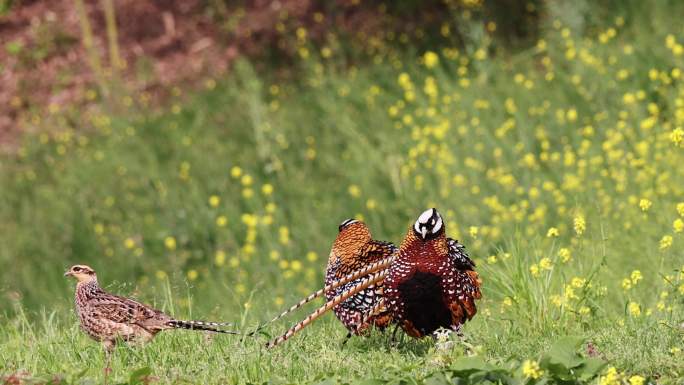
x=109, y=318
x=353, y=256
x=431, y=284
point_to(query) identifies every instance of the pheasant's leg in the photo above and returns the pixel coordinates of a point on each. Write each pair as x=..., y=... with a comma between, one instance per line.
x=108, y=348
x=393, y=340
x=347, y=338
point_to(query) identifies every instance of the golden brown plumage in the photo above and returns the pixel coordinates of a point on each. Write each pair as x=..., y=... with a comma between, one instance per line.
x=354, y=249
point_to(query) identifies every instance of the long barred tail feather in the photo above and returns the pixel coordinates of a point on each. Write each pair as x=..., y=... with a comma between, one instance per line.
x=202, y=325
x=372, y=312
x=372, y=268
x=370, y=280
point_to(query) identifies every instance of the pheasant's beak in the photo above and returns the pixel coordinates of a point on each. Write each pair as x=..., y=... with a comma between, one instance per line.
x=68, y=274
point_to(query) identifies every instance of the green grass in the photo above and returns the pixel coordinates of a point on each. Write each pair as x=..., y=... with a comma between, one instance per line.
x=513, y=149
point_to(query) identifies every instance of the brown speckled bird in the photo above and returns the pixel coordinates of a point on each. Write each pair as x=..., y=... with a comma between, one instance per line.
x=109, y=318
x=353, y=256
x=354, y=249
x=432, y=283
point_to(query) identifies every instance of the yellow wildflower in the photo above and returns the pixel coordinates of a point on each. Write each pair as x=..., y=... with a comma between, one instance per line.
x=354, y=191
x=634, y=309
x=221, y=221
x=235, y=172
x=552, y=232
x=645, y=204
x=267, y=189
x=129, y=243
x=579, y=224
x=284, y=235
x=636, y=380
x=565, y=255
x=220, y=258
x=534, y=270
x=246, y=180
x=546, y=264
x=531, y=369
x=612, y=377
x=312, y=256
x=665, y=242
x=214, y=201
x=170, y=243
x=430, y=59
x=678, y=225
x=192, y=275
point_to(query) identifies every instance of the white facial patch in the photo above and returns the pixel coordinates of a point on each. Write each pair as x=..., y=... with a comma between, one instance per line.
x=438, y=224
x=348, y=222
x=429, y=219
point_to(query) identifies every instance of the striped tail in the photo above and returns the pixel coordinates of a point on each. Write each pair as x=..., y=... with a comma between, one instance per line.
x=372, y=268
x=370, y=280
x=201, y=325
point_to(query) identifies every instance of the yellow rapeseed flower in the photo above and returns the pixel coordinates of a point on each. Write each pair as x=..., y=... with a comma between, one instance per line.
x=246, y=180
x=534, y=270
x=636, y=380
x=612, y=377
x=645, y=204
x=354, y=191
x=565, y=255
x=677, y=136
x=634, y=309
x=129, y=243
x=665, y=242
x=170, y=243
x=552, y=232
x=221, y=221
x=680, y=209
x=235, y=172
x=430, y=59
x=312, y=256
x=267, y=189
x=578, y=282
x=214, y=201
x=579, y=224
x=678, y=225
x=220, y=258
x=531, y=369
x=636, y=276
x=192, y=274
x=284, y=235
x=545, y=264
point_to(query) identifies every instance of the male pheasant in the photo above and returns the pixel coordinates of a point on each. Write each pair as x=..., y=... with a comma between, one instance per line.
x=432, y=283
x=353, y=256
x=353, y=249
x=108, y=318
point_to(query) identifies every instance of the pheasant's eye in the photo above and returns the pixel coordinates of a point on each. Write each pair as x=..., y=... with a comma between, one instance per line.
x=77, y=268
